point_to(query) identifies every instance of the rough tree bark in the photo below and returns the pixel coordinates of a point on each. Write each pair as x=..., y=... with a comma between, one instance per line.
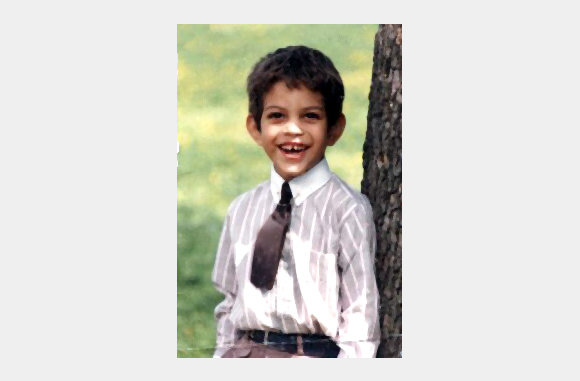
x=382, y=180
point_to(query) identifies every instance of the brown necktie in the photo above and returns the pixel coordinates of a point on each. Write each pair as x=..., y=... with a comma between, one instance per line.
x=269, y=243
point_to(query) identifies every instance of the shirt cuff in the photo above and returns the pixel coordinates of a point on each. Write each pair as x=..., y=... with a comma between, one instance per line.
x=219, y=352
x=359, y=349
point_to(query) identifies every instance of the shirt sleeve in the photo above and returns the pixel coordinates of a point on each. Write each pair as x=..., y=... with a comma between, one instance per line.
x=358, y=331
x=224, y=279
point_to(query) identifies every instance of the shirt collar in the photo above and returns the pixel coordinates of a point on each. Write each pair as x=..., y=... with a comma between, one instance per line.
x=303, y=185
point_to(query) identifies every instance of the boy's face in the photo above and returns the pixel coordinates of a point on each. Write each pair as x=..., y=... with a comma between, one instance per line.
x=294, y=129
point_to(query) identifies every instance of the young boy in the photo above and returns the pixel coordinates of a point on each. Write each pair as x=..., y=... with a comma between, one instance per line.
x=295, y=259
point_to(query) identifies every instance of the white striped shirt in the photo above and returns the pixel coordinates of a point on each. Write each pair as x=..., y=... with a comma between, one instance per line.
x=325, y=282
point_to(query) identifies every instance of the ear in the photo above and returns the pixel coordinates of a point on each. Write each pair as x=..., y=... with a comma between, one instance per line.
x=252, y=128
x=335, y=132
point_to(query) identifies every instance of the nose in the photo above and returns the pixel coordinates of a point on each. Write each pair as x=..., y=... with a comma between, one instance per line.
x=293, y=128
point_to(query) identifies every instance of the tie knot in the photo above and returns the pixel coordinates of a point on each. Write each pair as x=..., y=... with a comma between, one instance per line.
x=286, y=193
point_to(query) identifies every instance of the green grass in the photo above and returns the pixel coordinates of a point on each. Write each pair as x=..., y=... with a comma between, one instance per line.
x=217, y=158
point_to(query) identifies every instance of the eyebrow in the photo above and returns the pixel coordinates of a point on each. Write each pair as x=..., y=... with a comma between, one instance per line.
x=305, y=108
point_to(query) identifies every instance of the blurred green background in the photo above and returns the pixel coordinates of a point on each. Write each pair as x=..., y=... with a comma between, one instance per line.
x=218, y=160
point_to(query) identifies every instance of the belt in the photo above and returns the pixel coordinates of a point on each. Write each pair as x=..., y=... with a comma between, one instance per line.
x=309, y=345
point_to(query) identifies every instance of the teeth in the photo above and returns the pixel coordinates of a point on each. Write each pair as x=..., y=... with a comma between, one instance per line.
x=292, y=148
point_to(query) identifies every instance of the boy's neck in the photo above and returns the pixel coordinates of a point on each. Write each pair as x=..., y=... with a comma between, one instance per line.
x=303, y=174
x=305, y=184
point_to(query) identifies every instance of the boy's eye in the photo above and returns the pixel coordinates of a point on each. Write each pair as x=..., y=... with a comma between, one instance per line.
x=275, y=115
x=312, y=115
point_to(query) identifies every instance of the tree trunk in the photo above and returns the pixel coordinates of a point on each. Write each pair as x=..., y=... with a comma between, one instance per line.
x=382, y=180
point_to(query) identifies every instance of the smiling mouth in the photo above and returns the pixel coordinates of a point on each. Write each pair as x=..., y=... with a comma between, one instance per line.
x=292, y=148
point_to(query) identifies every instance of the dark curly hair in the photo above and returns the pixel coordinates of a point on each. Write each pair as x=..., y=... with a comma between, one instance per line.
x=296, y=65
